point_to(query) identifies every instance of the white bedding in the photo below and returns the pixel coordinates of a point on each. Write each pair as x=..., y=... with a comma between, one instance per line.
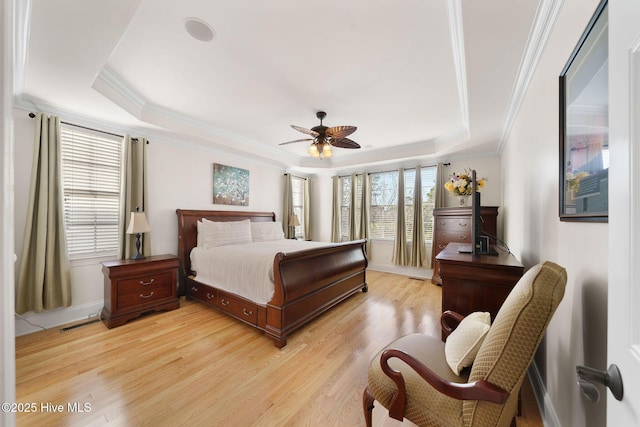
x=244, y=269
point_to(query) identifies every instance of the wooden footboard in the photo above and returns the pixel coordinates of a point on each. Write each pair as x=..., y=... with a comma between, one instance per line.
x=307, y=283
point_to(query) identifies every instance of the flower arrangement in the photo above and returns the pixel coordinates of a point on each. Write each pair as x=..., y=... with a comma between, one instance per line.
x=460, y=184
x=573, y=180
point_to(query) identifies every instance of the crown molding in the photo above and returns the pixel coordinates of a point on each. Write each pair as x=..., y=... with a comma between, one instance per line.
x=545, y=19
x=22, y=24
x=454, y=8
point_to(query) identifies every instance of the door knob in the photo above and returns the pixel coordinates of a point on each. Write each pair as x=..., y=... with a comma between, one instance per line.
x=610, y=378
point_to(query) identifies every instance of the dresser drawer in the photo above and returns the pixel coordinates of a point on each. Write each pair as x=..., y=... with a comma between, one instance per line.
x=145, y=283
x=453, y=224
x=145, y=296
x=238, y=308
x=202, y=292
x=459, y=236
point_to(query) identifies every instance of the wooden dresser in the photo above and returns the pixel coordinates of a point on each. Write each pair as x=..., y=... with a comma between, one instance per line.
x=454, y=225
x=135, y=287
x=476, y=282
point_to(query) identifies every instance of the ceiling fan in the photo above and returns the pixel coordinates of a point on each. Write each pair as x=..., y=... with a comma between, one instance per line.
x=324, y=137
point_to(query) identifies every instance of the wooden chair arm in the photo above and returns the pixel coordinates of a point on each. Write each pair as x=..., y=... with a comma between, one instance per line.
x=478, y=390
x=450, y=321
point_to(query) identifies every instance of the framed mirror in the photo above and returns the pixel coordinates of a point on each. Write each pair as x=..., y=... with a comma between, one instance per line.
x=584, y=125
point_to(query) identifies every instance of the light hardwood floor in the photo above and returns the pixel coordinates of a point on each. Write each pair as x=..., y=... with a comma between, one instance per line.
x=196, y=367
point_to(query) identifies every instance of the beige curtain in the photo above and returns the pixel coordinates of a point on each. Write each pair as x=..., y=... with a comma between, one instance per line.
x=307, y=210
x=287, y=207
x=44, y=281
x=440, y=195
x=418, y=249
x=134, y=194
x=400, y=255
x=439, y=201
x=365, y=232
x=335, y=210
x=353, y=203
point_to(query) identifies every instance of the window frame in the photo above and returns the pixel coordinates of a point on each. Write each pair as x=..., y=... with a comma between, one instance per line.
x=91, y=168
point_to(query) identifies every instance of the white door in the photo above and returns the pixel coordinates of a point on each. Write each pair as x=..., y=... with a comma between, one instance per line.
x=623, y=334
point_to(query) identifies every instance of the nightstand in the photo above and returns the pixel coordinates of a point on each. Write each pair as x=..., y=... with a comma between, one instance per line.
x=136, y=287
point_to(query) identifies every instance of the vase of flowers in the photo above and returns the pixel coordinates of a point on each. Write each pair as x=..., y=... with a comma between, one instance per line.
x=461, y=185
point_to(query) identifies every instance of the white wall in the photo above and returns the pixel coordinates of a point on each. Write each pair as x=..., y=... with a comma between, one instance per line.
x=180, y=176
x=577, y=333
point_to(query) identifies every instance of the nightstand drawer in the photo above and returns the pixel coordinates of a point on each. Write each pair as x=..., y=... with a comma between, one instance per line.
x=136, y=287
x=146, y=283
x=134, y=299
x=238, y=308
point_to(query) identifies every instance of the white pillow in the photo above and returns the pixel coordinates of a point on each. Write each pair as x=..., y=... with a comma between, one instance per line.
x=225, y=232
x=266, y=231
x=463, y=344
x=200, y=241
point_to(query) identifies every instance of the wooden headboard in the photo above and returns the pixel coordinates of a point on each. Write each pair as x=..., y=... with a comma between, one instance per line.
x=188, y=230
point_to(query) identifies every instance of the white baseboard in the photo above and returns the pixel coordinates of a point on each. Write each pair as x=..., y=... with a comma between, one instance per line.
x=53, y=318
x=420, y=273
x=547, y=411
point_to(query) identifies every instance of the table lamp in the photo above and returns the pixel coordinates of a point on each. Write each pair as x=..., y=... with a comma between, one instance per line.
x=293, y=223
x=137, y=225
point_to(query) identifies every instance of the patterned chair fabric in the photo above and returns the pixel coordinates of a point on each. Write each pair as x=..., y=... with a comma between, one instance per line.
x=503, y=358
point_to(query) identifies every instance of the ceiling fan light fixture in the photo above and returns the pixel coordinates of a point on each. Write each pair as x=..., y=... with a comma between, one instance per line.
x=313, y=150
x=326, y=150
x=325, y=138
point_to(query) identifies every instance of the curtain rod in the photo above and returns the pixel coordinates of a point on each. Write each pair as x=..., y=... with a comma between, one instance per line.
x=392, y=170
x=296, y=176
x=32, y=115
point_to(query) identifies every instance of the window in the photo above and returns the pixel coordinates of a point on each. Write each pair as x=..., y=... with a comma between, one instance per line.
x=384, y=205
x=91, y=189
x=345, y=205
x=428, y=181
x=297, y=194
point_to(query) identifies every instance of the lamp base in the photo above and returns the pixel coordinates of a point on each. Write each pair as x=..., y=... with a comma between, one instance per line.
x=138, y=255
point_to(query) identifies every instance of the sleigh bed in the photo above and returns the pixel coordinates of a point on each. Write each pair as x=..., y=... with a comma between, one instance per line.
x=305, y=283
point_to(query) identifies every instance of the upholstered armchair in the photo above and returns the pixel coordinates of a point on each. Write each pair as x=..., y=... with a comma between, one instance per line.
x=414, y=378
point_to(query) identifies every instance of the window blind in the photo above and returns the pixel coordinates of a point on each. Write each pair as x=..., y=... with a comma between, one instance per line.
x=297, y=194
x=384, y=204
x=91, y=189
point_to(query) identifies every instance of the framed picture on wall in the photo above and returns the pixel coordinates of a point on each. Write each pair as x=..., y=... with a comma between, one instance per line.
x=230, y=185
x=584, y=125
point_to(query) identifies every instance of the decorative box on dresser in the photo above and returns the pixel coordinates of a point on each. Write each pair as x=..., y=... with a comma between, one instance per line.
x=136, y=287
x=454, y=225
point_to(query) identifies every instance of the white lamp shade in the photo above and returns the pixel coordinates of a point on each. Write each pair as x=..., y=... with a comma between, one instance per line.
x=313, y=150
x=326, y=150
x=293, y=220
x=138, y=223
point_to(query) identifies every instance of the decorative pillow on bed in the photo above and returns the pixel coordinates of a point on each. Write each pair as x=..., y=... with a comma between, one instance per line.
x=266, y=231
x=463, y=344
x=200, y=242
x=225, y=233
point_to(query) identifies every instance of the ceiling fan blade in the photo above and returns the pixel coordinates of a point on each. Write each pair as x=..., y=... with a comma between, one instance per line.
x=341, y=131
x=313, y=133
x=297, y=140
x=344, y=143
